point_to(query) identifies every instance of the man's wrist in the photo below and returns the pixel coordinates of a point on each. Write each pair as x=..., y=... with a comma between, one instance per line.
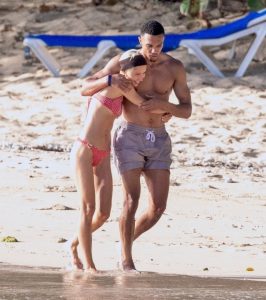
x=109, y=80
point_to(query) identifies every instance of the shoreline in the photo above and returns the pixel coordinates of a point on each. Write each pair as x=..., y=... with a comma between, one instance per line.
x=57, y=270
x=57, y=285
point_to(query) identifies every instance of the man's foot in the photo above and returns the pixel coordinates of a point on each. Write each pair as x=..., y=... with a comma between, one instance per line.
x=92, y=271
x=129, y=267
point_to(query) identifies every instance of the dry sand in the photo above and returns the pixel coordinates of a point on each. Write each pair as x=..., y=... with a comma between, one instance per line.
x=215, y=220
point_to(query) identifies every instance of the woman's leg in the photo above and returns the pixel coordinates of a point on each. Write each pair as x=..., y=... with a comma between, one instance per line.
x=103, y=185
x=81, y=159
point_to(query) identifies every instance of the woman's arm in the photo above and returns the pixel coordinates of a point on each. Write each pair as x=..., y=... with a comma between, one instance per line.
x=133, y=96
x=99, y=80
x=93, y=86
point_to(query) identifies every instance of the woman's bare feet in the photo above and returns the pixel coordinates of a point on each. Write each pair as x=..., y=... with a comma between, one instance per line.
x=76, y=262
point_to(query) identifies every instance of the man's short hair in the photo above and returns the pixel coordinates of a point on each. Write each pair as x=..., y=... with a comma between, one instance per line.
x=152, y=27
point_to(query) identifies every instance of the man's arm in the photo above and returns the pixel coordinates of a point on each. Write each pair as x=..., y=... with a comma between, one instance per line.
x=182, y=92
x=133, y=96
x=99, y=80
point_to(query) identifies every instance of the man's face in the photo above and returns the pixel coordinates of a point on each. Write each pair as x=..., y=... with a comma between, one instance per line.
x=151, y=46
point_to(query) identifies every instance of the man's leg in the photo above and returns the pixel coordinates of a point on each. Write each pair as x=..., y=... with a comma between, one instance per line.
x=131, y=189
x=103, y=185
x=158, y=185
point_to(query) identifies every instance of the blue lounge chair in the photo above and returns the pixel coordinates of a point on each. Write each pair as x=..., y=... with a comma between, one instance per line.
x=254, y=23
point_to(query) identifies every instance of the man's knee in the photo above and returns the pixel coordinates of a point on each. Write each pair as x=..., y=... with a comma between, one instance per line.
x=158, y=209
x=131, y=203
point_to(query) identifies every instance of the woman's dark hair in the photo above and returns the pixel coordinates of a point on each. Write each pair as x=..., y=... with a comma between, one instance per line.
x=131, y=59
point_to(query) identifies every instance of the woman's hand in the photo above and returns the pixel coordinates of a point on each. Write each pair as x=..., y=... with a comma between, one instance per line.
x=119, y=81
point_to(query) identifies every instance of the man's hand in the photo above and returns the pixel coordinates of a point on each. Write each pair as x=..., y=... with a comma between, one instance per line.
x=154, y=106
x=166, y=117
x=120, y=81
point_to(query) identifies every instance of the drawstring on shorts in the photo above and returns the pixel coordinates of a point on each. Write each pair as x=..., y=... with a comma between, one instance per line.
x=150, y=136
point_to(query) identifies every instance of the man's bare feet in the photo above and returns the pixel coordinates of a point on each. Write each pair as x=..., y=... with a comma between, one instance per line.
x=129, y=267
x=92, y=271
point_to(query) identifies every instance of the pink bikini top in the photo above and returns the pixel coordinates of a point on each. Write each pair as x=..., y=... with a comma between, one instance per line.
x=115, y=104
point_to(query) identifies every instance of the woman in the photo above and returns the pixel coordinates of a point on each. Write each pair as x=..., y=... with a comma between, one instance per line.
x=93, y=146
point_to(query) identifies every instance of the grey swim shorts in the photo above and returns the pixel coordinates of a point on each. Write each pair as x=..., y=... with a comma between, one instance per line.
x=140, y=147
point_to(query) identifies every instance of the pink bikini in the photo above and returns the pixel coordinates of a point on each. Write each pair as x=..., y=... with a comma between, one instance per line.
x=115, y=105
x=97, y=154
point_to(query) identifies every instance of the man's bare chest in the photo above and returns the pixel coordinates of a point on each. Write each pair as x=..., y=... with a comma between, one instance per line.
x=157, y=81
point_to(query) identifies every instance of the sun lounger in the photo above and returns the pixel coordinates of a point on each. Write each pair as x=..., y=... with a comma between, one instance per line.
x=254, y=23
x=198, y=42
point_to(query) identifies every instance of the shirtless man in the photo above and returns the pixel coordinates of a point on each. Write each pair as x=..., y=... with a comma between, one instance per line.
x=141, y=143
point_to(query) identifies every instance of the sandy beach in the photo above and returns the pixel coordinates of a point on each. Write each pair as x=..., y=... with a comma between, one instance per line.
x=214, y=224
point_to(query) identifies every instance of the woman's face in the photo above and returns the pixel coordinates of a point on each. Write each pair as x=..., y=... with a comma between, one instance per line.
x=136, y=74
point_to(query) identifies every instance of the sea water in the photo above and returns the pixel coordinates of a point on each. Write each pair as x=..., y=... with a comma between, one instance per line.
x=42, y=283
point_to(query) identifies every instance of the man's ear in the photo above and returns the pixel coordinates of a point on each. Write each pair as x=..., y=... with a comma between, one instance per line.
x=139, y=37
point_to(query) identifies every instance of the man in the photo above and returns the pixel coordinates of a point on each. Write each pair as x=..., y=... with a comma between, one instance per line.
x=141, y=143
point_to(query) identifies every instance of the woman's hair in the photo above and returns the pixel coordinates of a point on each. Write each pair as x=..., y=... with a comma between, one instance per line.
x=130, y=59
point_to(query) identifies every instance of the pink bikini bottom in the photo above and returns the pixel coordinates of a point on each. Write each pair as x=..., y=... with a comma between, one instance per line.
x=97, y=154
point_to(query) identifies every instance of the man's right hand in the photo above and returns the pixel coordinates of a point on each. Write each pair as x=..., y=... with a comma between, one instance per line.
x=166, y=117
x=120, y=81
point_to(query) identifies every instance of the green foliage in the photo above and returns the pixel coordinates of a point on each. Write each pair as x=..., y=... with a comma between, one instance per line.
x=193, y=8
x=256, y=4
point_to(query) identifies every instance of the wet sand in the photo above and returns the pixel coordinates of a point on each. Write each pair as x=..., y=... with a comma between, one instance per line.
x=36, y=283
